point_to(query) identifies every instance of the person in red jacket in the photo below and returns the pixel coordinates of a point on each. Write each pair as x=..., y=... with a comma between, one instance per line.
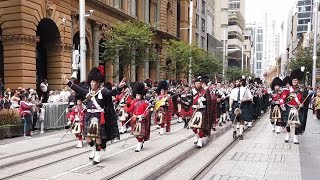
x=140, y=122
x=291, y=102
x=26, y=115
x=123, y=101
x=76, y=118
x=163, y=107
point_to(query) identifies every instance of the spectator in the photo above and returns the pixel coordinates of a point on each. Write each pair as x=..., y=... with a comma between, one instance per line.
x=41, y=116
x=51, y=97
x=44, y=90
x=64, y=95
x=26, y=115
x=15, y=100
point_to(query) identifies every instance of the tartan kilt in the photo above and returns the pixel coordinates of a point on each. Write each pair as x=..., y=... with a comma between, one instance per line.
x=145, y=127
x=167, y=116
x=101, y=128
x=285, y=115
x=221, y=108
x=247, y=109
x=186, y=113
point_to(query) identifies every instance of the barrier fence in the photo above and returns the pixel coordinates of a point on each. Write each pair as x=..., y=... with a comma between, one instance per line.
x=55, y=117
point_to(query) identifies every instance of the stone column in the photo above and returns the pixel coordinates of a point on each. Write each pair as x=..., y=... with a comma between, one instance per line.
x=19, y=53
x=158, y=64
x=146, y=11
x=133, y=72
x=146, y=65
x=133, y=8
x=116, y=69
x=96, y=40
x=116, y=3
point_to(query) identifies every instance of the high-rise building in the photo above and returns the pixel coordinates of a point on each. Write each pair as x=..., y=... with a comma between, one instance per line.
x=304, y=11
x=236, y=27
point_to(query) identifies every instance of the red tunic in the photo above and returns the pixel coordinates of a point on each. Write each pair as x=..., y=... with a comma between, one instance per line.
x=295, y=101
x=137, y=108
x=78, y=112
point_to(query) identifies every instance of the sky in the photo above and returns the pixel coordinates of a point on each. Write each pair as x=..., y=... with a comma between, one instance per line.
x=279, y=9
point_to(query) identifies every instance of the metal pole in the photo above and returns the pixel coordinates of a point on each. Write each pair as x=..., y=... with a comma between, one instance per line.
x=64, y=37
x=246, y=63
x=224, y=57
x=190, y=38
x=83, y=47
x=315, y=24
x=242, y=58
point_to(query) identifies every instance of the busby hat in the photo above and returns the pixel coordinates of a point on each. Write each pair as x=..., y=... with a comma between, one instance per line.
x=276, y=81
x=148, y=83
x=94, y=75
x=162, y=85
x=257, y=80
x=139, y=88
x=287, y=80
x=296, y=74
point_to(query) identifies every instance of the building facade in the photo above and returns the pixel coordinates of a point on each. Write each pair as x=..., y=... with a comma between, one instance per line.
x=36, y=44
x=304, y=16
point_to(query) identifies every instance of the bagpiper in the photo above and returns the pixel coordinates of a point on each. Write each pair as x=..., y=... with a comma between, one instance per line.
x=123, y=100
x=275, y=115
x=76, y=120
x=140, y=122
x=163, y=107
x=221, y=104
x=201, y=122
x=240, y=106
x=291, y=103
x=214, y=105
x=100, y=117
x=186, y=99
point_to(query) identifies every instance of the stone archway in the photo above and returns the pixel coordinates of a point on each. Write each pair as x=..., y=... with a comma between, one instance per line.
x=1, y=58
x=76, y=46
x=48, y=52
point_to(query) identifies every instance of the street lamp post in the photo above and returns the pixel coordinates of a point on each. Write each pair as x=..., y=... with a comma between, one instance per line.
x=242, y=58
x=315, y=25
x=190, y=39
x=83, y=47
x=224, y=57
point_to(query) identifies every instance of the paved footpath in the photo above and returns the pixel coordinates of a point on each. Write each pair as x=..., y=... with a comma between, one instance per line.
x=264, y=155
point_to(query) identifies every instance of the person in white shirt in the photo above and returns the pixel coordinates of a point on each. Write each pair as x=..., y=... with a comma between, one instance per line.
x=44, y=90
x=64, y=95
x=51, y=97
x=241, y=98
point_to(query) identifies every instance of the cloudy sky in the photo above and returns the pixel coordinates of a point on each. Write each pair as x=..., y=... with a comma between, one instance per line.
x=279, y=9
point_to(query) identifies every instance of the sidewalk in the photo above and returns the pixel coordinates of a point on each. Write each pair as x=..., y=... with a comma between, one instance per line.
x=310, y=149
x=261, y=155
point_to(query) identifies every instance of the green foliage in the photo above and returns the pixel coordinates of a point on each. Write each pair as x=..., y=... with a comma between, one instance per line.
x=9, y=117
x=131, y=39
x=203, y=63
x=236, y=72
x=303, y=58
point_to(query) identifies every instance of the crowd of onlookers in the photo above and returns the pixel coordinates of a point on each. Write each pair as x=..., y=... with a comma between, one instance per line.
x=29, y=103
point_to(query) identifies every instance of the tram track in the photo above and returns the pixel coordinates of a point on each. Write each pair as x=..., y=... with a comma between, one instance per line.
x=29, y=159
x=161, y=171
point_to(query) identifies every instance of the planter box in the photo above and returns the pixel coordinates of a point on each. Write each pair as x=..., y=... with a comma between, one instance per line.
x=11, y=131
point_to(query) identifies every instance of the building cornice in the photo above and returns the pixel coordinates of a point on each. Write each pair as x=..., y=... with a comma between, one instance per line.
x=20, y=39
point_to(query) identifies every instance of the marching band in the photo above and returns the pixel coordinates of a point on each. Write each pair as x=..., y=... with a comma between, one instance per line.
x=202, y=106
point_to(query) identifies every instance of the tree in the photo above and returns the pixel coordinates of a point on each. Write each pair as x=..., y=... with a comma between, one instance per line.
x=130, y=40
x=235, y=72
x=203, y=63
x=303, y=58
